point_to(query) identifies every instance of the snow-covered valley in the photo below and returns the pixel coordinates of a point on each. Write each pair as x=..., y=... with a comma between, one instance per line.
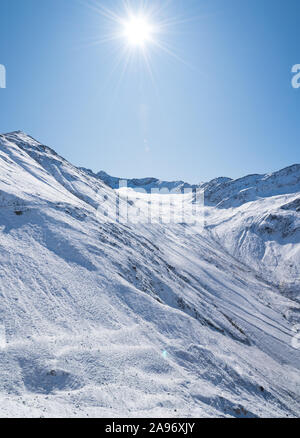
x=147, y=319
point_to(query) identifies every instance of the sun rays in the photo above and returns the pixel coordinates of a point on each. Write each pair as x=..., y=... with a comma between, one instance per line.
x=136, y=33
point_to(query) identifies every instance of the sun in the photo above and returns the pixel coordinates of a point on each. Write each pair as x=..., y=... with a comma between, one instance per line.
x=138, y=31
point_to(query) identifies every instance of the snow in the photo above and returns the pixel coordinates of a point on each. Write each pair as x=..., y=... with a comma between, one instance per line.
x=105, y=319
x=147, y=184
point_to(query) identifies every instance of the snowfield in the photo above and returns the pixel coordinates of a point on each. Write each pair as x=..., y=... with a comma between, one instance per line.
x=105, y=319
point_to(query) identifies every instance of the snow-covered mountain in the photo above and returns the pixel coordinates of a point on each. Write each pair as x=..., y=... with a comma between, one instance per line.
x=147, y=184
x=101, y=318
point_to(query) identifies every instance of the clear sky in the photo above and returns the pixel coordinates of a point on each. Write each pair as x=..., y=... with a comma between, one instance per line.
x=219, y=104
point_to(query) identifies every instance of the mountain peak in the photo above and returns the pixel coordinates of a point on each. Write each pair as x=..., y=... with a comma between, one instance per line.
x=20, y=138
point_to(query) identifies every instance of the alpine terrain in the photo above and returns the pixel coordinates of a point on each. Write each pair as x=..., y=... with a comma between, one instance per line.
x=146, y=318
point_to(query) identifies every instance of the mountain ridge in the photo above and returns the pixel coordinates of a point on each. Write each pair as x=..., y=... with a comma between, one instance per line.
x=149, y=183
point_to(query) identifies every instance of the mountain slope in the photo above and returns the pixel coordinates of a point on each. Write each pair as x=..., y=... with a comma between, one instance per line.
x=256, y=219
x=111, y=319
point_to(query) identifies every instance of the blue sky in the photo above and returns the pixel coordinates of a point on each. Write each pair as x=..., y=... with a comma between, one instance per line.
x=223, y=105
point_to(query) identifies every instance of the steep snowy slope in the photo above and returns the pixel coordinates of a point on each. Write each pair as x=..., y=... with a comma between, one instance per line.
x=257, y=220
x=111, y=319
